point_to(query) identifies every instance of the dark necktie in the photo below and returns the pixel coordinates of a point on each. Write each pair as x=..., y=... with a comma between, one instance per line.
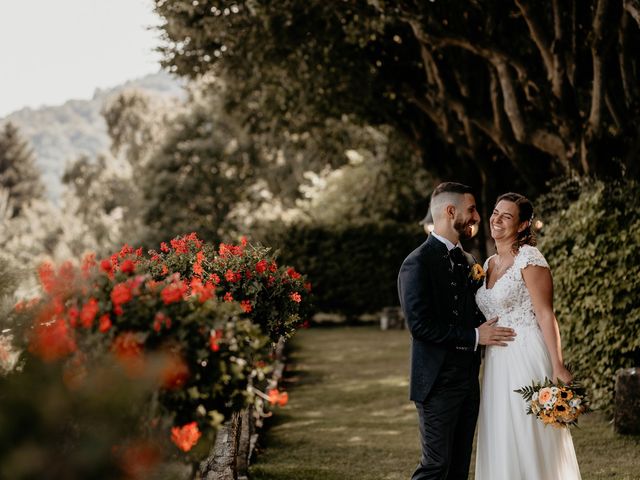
x=459, y=261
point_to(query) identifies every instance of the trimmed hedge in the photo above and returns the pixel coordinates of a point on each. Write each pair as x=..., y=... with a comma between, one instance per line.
x=593, y=247
x=352, y=268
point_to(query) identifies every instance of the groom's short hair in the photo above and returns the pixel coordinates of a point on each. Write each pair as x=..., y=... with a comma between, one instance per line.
x=451, y=187
x=446, y=193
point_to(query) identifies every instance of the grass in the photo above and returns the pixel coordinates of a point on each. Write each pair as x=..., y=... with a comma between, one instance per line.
x=349, y=416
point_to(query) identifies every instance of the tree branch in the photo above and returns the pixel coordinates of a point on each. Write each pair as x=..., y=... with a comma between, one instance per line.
x=558, y=51
x=598, y=49
x=552, y=144
x=614, y=110
x=542, y=139
x=494, y=95
x=629, y=86
x=538, y=35
x=633, y=8
x=435, y=79
x=490, y=54
x=510, y=102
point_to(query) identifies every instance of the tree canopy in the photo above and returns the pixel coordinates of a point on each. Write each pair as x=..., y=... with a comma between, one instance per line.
x=517, y=91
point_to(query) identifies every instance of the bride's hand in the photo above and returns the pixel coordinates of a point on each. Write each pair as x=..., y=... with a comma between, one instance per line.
x=562, y=374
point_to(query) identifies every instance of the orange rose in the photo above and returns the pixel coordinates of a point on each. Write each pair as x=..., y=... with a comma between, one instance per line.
x=545, y=395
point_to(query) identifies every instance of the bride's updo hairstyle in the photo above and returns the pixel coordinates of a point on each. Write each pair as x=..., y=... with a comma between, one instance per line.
x=525, y=214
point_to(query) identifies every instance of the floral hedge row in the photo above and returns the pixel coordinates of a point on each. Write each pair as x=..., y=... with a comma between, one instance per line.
x=194, y=321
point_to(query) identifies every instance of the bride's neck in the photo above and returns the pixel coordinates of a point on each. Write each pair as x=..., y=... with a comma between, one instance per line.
x=503, y=247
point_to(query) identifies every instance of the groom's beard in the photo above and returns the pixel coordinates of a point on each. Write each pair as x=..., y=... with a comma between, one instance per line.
x=464, y=229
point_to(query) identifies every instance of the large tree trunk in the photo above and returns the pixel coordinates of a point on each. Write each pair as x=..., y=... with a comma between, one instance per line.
x=222, y=461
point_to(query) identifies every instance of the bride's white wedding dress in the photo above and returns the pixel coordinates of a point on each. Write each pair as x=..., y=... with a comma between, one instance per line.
x=511, y=444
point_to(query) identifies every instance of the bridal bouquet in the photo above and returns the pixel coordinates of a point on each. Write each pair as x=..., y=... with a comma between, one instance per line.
x=558, y=405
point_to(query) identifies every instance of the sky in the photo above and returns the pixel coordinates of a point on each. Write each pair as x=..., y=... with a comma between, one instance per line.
x=56, y=50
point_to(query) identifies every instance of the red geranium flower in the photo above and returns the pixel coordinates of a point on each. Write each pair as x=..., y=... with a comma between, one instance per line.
x=125, y=250
x=279, y=398
x=185, y=437
x=292, y=273
x=261, y=266
x=175, y=373
x=214, y=340
x=225, y=250
x=128, y=266
x=47, y=277
x=89, y=312
x=106, y=265
x=203, y=292
x=174, y=292
x=66, y=274
x=179, y=245
x=73, y=314
x=104, y=324
x=120, y=295
x=232, y=276
x=52, y=341
x=295, y=296
x=88, y=261
x=159, y=320
x=246, y=306
x=228, y=297
x=197, y=266
x=127, y=345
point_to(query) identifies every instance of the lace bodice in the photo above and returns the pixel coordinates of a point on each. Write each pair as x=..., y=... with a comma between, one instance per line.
x=509, y=299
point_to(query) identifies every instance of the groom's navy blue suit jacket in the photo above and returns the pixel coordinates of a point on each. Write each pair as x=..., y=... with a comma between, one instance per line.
x=440, y=311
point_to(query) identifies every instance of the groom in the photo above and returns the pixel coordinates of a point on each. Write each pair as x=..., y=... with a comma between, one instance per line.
x=437, y=295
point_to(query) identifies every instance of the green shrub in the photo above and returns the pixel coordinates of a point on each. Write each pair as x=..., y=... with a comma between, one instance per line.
x=593, y=247
x=352, y=268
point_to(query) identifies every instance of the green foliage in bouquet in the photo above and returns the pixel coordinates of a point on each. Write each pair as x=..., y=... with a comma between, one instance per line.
x=593, y=246
x=354, y=267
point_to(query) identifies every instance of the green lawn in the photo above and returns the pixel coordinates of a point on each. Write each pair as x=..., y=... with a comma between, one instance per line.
x=349, y=416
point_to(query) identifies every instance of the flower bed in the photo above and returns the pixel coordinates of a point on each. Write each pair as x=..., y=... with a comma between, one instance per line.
x=194, y=322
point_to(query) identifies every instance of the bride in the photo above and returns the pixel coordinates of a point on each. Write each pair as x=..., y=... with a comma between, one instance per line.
x=518, y=290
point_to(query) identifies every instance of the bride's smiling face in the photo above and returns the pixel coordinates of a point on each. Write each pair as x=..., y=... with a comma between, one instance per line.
x=505, y=221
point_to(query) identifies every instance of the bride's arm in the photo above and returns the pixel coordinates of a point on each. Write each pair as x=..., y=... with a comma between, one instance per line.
x=540, y=286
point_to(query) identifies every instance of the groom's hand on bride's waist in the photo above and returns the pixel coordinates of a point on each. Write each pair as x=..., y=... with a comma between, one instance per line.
x=490, y=334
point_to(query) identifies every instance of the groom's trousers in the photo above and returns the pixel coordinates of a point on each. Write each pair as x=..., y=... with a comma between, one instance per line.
x=447, y=420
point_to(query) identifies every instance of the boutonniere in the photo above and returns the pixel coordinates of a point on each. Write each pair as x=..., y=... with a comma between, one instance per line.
x=477, y=273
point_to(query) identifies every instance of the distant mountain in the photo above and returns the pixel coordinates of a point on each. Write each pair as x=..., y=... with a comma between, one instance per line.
x=60, y=134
